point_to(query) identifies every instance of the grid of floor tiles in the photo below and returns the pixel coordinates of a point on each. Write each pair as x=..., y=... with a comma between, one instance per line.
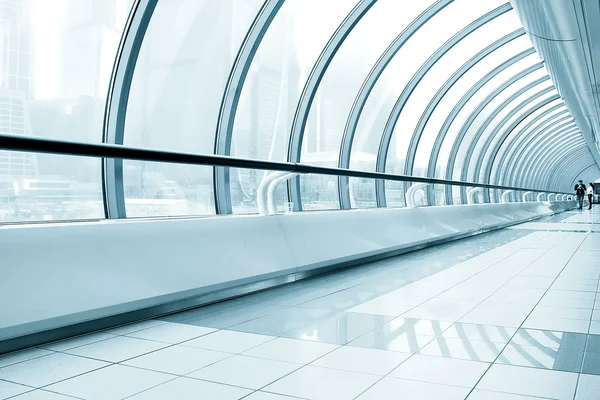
x=507, y=316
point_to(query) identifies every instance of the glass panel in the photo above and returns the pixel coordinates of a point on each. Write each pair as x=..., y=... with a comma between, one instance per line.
x=159, y=189
x=362, y=193
x=400, y=70
x=46, y=187
x=435, y=78
x=278, y=73
x=347, y=72
x=470, y=106
x=462, y=86
x=489, y=109
x=55, y=66
x=394, y=192
x=179, y=80
x=319, y=192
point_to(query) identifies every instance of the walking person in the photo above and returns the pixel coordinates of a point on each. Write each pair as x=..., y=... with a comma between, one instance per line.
x=590, y=193
x=580, y=190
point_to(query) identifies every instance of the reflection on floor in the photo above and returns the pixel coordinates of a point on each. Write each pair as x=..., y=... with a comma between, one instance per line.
x=512, y=315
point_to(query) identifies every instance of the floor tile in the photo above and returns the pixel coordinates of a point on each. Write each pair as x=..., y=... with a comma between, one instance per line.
x=23, y=355
x=591, y=363
x=42, y=395
x=192, y=389
x=318, y=383
x=404, y=342
x=569, y=360
x=49, y=369
x=268, y=396
x=588, y=387
x=392, y=388
x=357, y=359
x=291, y=350
x=486, y=318
x=247, y=372
x=138, y=326
x=9, y=389
x=339, y=329
x=567, y=302
x=550, y=339
x=229, y=341
x=68, y=344
x=446, y=371
x=234, y=315
x=172, y=333
x=530, y=381
x=561, y=312
x=496, y=334
x=381, y=308
x=178, y=360
x=118, y=349
x=463, y=349
x=593, y=343
x=113, y=382
x=478, y=394
x=595, y=328
x=557, y=324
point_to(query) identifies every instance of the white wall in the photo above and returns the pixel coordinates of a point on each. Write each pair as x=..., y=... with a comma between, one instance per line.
x=59, y=274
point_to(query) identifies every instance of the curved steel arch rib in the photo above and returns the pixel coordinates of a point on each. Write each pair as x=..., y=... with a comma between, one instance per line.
x=514, y=158
x=578, y=176
x=116, y=104
x=367, y=87
x=540, y=120
x=482, y=129
x=475, y=113
x=437, y=98
x=480, y=159
x=510, y=168
x=564, y=144
x=564, y=166
x=558, y=120
x=439, y=140
x=414, y=82
x=552, y=160
x=231, y=98
x=310, y=89
x=568, y=173
x=539, y=150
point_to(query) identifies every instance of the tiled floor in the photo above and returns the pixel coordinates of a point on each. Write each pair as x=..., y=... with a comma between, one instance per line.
x=512, y=315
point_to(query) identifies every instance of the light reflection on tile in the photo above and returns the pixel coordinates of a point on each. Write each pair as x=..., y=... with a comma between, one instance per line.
x=569, y=360
x=463, y=349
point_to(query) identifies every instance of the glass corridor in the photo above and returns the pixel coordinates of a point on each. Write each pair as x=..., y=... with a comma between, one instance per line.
x=447, y=94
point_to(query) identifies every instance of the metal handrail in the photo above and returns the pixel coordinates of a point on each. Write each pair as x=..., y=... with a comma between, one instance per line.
x=68, y=148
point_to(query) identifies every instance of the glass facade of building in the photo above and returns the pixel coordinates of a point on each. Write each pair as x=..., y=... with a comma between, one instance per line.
x=442, y=89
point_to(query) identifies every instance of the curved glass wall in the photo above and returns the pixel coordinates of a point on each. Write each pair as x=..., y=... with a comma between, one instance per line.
x=435, y=88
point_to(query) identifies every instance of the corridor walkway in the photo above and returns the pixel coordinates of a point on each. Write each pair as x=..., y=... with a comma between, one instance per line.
x=510, y=315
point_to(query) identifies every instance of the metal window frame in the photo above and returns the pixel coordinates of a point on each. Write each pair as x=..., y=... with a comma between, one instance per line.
x=535, y=152
x=538, y=151
x=534, y=125
x=443, y=90
x=456, y=145
x=577, y=177
x=392, y=120
x=504, y=105
x=310, y=89
x=441, y=137
x=367, y=87
x=487, y=171
x=115, y=109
